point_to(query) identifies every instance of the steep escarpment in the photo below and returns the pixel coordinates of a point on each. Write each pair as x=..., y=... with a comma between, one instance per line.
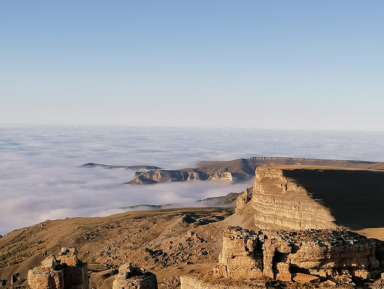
x=239, y=169
x=280, y=202
x=168, y=176
x=301, y=197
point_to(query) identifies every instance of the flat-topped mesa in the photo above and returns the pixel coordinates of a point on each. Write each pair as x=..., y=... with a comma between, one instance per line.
x=286, y=255
x=279, y=202
x=302, y=197
x=168, y=176
x=65, y=272
x=239, y=169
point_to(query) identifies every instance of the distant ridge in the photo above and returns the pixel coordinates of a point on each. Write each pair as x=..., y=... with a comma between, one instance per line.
x=137, y=167
x=241, y=169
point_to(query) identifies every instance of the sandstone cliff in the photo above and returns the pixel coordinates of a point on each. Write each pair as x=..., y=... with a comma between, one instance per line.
x=136, y=167
x=301, y=197
x=167, y=176
x=239, y=169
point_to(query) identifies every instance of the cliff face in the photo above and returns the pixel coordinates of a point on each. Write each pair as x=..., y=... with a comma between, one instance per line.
x=239, y=169
x=279, y=202
x=168, y=176
x=281, y=255
x=324, y=258
x=298, y=198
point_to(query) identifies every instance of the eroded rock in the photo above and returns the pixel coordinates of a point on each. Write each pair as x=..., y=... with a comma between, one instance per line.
x=134, y=278
x=282, y=255
x=65, y=272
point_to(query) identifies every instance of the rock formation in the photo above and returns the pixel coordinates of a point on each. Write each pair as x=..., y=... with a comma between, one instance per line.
x=324, y=257
x=300, y=198
x=65, y=272
x=137, y=167
x=238, y=169
x=130, y=277
x=281, y=255
x=280, y=202
x=168, y=176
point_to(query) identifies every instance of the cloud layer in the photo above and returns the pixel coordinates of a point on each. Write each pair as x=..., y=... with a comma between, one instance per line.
x=40, y=177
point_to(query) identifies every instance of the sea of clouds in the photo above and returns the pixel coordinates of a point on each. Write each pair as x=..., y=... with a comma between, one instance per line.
x=41, y=177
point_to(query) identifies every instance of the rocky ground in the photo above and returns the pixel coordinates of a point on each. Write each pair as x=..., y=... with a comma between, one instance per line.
x=170, y=243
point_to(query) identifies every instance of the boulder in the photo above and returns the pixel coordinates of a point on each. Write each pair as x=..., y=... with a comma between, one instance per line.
x=134, y=278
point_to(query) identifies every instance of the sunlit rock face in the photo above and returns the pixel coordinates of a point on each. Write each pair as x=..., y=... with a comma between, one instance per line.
x=281, y=255
x=65, y=272
x=130, y=277
x=280, y=202
x=302, y=197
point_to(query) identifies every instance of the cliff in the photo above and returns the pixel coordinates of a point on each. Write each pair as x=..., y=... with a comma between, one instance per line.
x=168, y=176
x=136, y=167
x=299, y=197
x=280, y=259
x=281, y=255
x=239, y=169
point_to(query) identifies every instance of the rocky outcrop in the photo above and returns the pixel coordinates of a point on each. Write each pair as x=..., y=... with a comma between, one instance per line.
x=65, y=272
x=267, y=258
x=296, y=255
x=299, y=198
x=243, y=199
x=168, y=176
x=280, y=202
x=238, y=169
x=134, y=278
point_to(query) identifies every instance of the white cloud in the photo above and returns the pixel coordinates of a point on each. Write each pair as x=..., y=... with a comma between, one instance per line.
x=40, y=177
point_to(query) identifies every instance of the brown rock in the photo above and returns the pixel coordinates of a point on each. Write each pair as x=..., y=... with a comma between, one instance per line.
x=68, y=256
x=278, y=254
x=49, y=262
x=305, y=278
x=328, y=283
x=57, y=275
x=220, y=271
x=279, y=202
x=134, y=278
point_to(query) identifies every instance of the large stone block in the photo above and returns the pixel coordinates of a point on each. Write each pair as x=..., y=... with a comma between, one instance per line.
x=53, y=274
x=134, y=278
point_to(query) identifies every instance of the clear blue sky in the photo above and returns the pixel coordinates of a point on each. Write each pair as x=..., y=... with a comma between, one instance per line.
x=214, y=63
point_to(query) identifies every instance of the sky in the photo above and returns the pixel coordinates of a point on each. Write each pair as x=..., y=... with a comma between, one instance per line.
x=253, y=64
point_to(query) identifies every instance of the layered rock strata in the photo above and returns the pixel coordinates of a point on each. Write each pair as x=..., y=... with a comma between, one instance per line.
x=168, y=176
x=239, y=169
x=130, y=277
x=299, y=198
x=65, y=272
x=280, y=202
x=284, y=255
